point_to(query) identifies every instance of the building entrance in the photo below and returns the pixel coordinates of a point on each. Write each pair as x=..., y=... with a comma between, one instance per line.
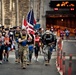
x=61, y=20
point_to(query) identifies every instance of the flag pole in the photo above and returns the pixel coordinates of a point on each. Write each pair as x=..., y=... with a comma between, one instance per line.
x=22, y=21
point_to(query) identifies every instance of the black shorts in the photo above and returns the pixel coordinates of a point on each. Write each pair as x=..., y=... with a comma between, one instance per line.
x=1, y=48
x=6, y=49
x=36, y=51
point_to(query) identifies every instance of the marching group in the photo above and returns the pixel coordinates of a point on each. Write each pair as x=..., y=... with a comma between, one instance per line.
x=25, y=44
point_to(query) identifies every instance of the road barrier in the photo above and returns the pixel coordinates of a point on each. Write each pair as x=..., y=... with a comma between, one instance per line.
x=70, y=65
x=61, y=60
x=60, y=63
x=64, y=63
x=58, y=58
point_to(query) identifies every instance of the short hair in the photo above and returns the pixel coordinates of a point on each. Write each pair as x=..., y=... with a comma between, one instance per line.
x=36, y=33
x=23, y=29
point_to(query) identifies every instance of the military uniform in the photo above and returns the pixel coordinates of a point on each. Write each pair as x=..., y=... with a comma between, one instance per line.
x=23, y=51
x=23, y=55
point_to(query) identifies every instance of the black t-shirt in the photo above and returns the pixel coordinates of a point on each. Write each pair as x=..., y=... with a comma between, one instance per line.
x=30, y=41
x=3, y=33
x=17, y=35
x=23, y=36
x=11, y=35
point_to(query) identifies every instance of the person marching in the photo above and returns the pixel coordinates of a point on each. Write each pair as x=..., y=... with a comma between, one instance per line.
x=16, y=37
x=23, y=45
x=36, y=45
x=30, y=47
x=48, y=40
x=7, y=46
x=1, y=47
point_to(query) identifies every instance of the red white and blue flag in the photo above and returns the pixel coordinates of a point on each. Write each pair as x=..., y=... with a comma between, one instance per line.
x=24, y=23
x=29, y=22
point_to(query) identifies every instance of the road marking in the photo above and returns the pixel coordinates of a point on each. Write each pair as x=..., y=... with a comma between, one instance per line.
x=69, y=40
x=42, y=57
x=11, y=56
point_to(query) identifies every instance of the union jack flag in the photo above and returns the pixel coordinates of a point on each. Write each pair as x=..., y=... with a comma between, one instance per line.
x=31, y=21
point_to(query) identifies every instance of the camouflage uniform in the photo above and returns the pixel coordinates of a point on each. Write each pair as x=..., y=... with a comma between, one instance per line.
x=23, y=51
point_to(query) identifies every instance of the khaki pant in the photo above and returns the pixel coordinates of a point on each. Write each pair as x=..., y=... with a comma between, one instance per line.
x=23, y=50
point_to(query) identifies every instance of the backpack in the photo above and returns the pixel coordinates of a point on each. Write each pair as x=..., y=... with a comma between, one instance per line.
x=48, y=38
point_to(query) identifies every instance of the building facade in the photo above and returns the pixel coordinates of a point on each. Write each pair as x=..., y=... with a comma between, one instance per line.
x=12, y=12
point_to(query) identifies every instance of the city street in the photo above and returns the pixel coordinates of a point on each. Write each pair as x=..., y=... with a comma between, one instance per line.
x=25, y=22
x=36, y=68
x=69, y=47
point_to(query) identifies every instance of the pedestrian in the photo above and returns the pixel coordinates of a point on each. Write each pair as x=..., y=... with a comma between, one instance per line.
x=48, y=40
x=36, y=45
x=7, y=46
x=75, y=33
x=17, y=35
x=23, y=45
x=62, y=34
x=67, y=34
x=30, y=47
x=1, y=47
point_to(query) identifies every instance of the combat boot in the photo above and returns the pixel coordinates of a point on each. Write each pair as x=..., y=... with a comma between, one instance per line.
x=24, y=65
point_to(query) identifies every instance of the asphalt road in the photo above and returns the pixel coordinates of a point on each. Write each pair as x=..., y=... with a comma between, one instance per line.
x=69, y=47
x=36, y=68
